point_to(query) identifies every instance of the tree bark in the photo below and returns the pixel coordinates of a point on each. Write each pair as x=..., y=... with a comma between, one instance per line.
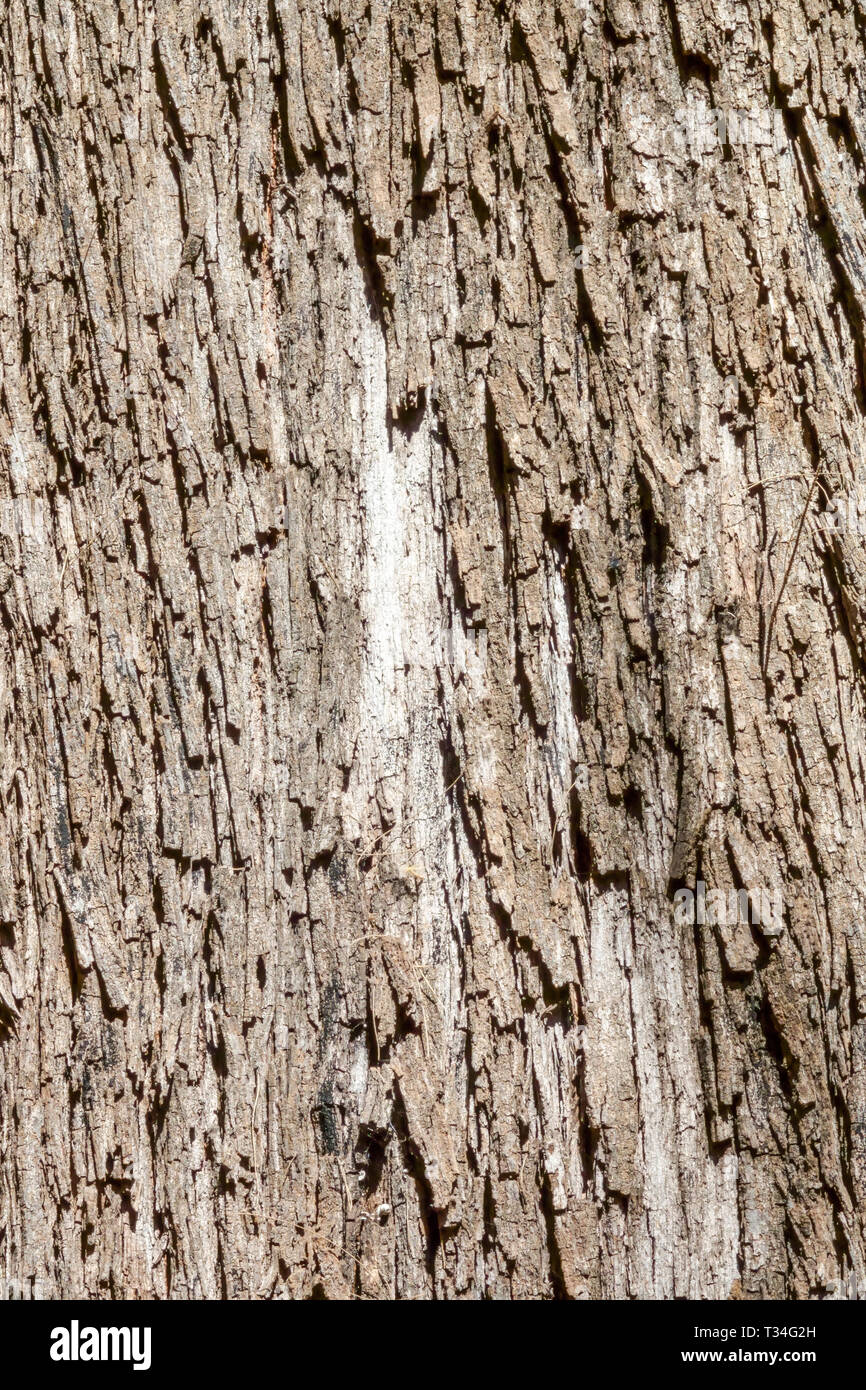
x=418, y=431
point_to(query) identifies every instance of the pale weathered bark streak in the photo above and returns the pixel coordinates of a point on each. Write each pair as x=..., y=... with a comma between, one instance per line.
x=339, y=960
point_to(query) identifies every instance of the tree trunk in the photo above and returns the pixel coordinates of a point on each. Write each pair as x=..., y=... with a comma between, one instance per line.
x=424, y=589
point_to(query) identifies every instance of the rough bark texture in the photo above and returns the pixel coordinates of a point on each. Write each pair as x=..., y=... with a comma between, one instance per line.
x=333, y=961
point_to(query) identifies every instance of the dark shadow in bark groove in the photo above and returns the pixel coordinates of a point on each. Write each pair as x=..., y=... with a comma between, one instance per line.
x=414, y=1166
